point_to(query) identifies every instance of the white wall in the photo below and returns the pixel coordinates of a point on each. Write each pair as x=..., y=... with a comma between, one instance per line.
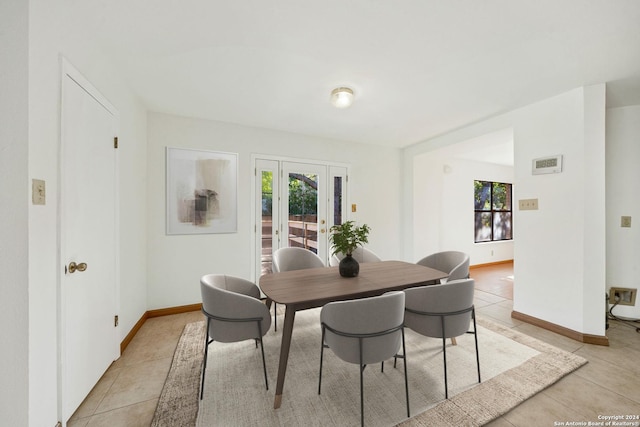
x=14, y=199
x=176, y=263
x=623, y=176
x=559, y=255
x=53, y=31
x=443, y=206
x=595, y=226
x=555, y=245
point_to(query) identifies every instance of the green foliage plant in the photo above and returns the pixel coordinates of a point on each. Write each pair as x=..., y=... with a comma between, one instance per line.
x=346, y=237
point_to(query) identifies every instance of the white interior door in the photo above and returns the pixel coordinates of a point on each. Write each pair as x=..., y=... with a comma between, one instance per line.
x=88, y=240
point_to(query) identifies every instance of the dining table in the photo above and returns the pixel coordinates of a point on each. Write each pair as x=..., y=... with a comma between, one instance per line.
x=315, y=287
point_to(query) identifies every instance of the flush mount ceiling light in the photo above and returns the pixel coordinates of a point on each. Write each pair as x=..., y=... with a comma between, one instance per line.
x=342, y=97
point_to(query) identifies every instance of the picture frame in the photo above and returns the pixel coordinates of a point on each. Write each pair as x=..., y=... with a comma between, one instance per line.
x=201, y=191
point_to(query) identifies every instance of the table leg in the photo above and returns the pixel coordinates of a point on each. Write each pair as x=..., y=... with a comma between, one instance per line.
x=289, y=316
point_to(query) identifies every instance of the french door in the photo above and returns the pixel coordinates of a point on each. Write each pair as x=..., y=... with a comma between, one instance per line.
x=296, y=204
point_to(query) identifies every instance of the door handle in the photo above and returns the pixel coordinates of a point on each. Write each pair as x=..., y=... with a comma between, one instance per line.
x=73, y=267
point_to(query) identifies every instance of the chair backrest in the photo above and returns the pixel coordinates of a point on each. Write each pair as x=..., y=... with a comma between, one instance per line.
x=288, y=259
x=233, y=298
x=454, y=296
x=365, y=316
x=360, y=254
x=455, y=263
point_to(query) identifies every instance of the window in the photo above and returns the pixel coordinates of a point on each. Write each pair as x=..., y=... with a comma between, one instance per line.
x=493, y=219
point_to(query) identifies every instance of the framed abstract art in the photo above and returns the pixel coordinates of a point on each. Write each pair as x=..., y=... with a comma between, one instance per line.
x=202, y=191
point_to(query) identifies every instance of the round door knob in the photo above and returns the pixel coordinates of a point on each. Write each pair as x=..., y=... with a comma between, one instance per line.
x=73, y=267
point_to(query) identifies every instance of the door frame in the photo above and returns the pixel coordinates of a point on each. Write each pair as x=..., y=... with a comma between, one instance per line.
x=68, y=71
x=330, y=168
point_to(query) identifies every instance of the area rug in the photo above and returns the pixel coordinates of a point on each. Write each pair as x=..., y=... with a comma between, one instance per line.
x=179, y=399
x=514, y=367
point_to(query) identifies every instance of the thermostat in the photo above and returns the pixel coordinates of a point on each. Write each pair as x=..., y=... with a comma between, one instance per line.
x=552, y=164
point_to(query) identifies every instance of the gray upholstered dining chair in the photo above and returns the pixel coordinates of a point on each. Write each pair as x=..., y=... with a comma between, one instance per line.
x=365, y=331
x=360, y=254
x=443, y=311
x=289, y=259
x=455, y=263
x=234, y=313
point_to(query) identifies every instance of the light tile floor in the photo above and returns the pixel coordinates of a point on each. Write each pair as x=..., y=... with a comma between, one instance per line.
x=609, y=384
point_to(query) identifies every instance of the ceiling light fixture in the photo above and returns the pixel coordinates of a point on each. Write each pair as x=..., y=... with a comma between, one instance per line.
x=342, y=97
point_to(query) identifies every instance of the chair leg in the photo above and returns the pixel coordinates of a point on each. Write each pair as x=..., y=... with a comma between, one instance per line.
x=321, y=357
x=275, y=316
x=206, y=354
x=475, y=335
x=453, y=341
x=406, y=376
x=362, y=366
x=264, y=363
x=361, y=394
x=264, y=366
x=444, y=353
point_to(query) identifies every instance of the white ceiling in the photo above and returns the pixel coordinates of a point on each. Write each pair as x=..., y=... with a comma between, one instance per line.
x=419, y=68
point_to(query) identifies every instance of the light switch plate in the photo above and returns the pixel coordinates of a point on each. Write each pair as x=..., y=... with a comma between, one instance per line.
x=38, y=192
x=528, y=204
x=625, y=221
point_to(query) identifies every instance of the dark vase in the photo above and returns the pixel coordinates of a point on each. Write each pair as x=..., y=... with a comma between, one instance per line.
x=349, y=267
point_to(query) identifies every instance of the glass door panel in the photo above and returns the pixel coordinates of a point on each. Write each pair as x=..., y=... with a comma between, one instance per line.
x=267, y=234
x=337, y=195
x=267, y=222
x=304, y=207
x=303, y=211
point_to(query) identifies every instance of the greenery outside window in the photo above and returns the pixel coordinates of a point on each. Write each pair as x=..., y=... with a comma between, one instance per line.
x=493, y=211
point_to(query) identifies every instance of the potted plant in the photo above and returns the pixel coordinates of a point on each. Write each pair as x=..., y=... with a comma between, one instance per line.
x=345, y=238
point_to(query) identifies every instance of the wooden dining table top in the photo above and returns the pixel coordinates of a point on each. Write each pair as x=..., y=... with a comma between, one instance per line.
x=314, y=287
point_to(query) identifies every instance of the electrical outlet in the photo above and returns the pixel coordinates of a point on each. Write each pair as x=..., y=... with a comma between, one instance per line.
x=623, y=296
x=528, y=204
x=625, y=221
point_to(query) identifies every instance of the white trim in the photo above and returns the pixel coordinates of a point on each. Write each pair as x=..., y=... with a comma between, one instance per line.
x=255, y=156
x=74, y=74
